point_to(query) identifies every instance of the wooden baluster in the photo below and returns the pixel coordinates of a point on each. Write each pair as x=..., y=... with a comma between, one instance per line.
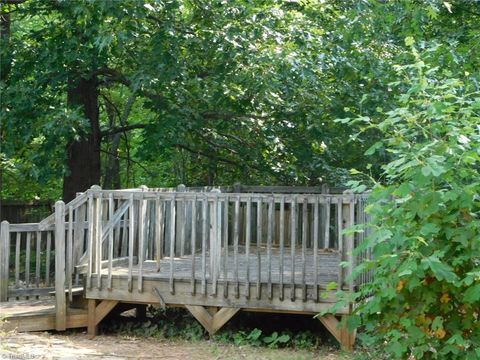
x=124, y=250
x=259, y=242
x=193, y=243
x=360, y=257
x=215, y=236
x=110, y=241
x=38, y=257
x=326, y=243
x=204, y=245
x=79, y=237
x=69, y=262
x=304, y=246
x=225, y=246
x=27, y=259
x=116, y=231
x=98, y=241
x=293, y=236
x=158, y=231
x=18, y=241
x=47, y=258
x=282, y=245
x=270, y=229
x=142, y=218
x=236, y=232
x=131, y=234
x=4, y=259
x=181, y=219
x=350, y=240
x=91, y=235
x=340, y=240
x=315, y=249
x=248, y=235
x=172, y=243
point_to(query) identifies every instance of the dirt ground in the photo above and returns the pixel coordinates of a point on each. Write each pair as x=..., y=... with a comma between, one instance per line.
x=78, y=346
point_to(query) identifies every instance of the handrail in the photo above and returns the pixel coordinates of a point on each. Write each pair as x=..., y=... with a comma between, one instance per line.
x=346, y=197
x=75, y=203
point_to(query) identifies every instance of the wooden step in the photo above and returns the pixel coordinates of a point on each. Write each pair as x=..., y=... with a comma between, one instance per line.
x=37, y=315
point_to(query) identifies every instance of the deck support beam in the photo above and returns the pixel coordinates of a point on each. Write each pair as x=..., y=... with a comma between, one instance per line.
x=345, y=337
x=97, y=313
x=211, y=318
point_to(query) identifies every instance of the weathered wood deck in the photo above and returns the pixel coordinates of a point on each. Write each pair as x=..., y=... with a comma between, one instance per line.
x=37, y=315
x=235, y=270
x=205, y=251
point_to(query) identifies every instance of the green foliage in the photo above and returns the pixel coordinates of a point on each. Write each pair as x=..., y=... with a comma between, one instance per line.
x=178, y=323
x=220, y=92
x=424, y=302
x=252, y=338
x=171, y=323
x=274, y=340
x=224, y=92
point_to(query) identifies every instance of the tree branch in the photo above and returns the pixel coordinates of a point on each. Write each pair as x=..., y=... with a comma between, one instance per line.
x=218, y=115
x=123, y=129
x=16, y=2
x=129, y=159
x=207, y=155
x=118, y=77
x=215, y=145
x=240, y=164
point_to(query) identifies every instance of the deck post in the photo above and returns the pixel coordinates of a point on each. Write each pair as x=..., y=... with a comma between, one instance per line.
x=4, y=256
x=60, y=298
x=91, y=323
x=215, y=238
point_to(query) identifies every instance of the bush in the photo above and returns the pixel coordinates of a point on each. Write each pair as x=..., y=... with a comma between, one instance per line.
x=425, y=230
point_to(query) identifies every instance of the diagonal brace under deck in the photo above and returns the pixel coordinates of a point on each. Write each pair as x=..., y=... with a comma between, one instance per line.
x=97, y=313
x=345, y=337
x=212, y=322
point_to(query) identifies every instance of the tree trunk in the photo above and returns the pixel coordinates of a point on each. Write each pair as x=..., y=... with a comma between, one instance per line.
x=84, y=155
x=112, y=172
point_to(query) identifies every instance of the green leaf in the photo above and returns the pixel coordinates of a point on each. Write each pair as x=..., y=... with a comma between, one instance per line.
x=441, y=270
x=437, y=323
x=283, y=338
x=429, y=229
x=372, y=149
x=472, y=294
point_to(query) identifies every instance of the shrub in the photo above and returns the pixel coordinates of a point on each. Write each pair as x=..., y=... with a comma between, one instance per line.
x=425, y=230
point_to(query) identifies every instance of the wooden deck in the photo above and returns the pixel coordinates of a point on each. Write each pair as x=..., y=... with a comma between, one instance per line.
x=214, y=253
x=37, y=315
x=235, y=269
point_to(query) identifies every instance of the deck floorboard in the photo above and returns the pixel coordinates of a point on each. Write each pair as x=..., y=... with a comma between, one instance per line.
x=328, y=268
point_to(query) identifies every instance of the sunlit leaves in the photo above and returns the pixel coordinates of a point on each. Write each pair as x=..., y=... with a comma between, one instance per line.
x=429, y=206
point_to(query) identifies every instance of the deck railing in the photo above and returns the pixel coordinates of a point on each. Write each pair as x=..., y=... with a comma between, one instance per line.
x=37, y=258
x=141, y=226
x=224, y=237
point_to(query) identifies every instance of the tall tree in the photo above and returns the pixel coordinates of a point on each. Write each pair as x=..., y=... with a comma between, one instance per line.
x=225, y=92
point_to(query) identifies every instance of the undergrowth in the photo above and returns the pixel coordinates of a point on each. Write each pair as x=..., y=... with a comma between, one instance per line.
x=245, y=329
